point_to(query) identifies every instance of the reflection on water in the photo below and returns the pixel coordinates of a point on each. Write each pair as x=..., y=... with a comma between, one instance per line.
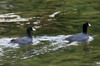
x=56, y=42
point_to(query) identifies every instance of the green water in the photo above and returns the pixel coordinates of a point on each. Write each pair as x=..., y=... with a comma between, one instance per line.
x=73, y=14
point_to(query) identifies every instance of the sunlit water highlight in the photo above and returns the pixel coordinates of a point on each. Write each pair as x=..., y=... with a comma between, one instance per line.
x=13, y=18
x=55, y=41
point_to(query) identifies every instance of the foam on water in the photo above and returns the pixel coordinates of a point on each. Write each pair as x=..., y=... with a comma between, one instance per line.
x=5, y=42
x=56, y=41
x=1, y=52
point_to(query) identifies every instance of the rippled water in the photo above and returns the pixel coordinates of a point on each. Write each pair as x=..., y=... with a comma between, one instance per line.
x=56, y=41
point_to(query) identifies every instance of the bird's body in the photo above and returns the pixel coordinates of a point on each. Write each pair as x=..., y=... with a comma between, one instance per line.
x=80, y=37
x=24, y=40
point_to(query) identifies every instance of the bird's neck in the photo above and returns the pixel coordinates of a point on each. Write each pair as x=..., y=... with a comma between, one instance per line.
x=85, y=29
x=29, y=34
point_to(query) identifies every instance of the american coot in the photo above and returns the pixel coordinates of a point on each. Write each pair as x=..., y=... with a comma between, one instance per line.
x=80, y=37
x=24, y=40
